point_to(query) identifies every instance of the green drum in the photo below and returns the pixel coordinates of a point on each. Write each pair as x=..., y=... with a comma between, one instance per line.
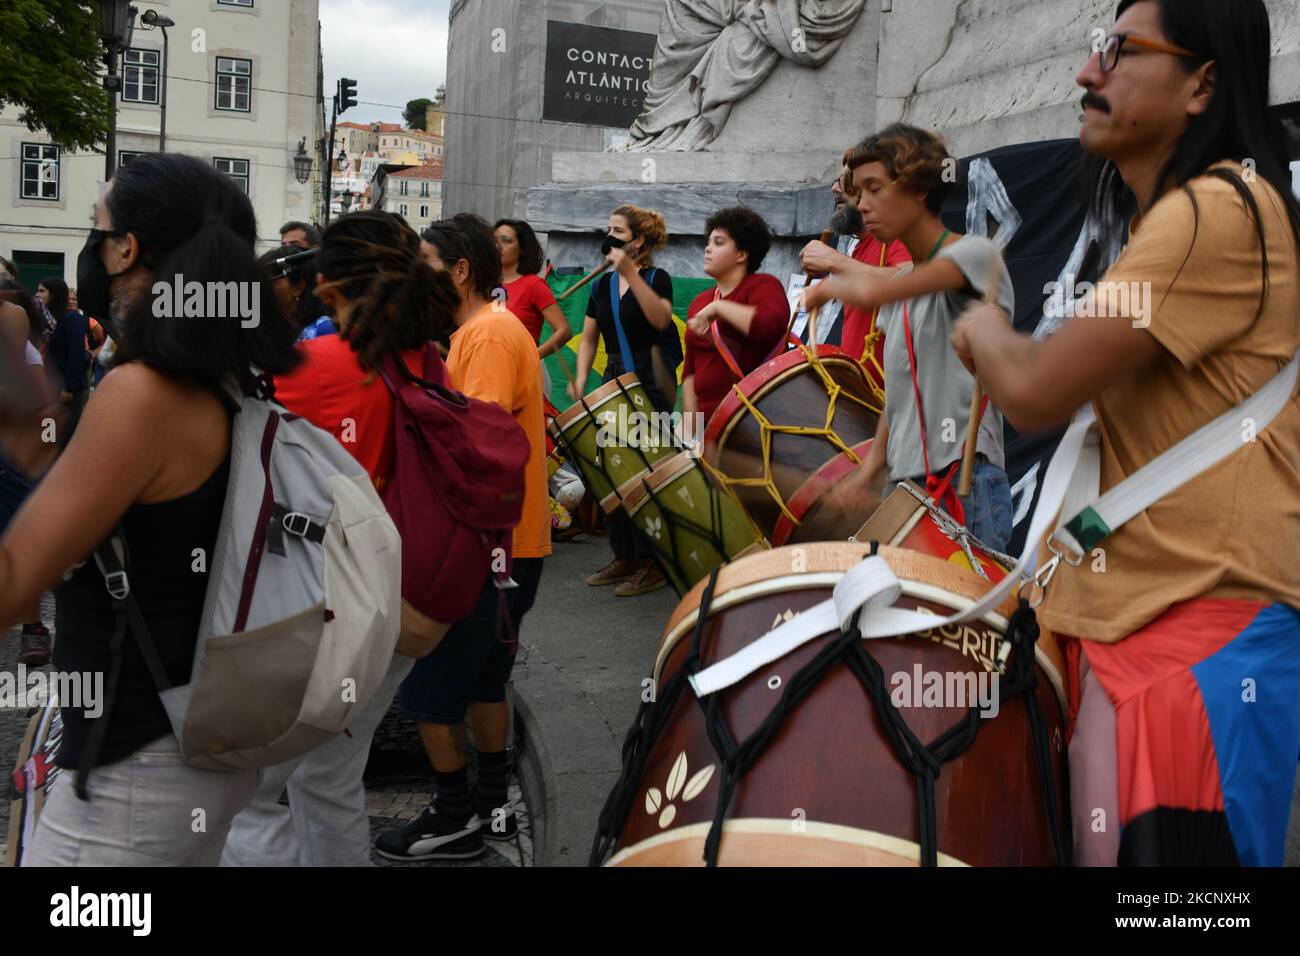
x=692, y=524
x=612, y=436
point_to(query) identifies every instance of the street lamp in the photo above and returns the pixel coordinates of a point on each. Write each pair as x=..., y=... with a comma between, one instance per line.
x=345, y=201
x=343, y=160
x=117, y=18
x=302, y=162
x=151, y=19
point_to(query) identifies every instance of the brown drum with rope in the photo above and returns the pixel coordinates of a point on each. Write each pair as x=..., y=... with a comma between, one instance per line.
x=785, y=421
x=807, y=742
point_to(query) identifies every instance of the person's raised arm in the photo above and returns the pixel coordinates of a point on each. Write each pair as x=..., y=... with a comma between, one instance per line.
x=658, y=311
x=561, y=333
x=586, y=357
x=68, y=522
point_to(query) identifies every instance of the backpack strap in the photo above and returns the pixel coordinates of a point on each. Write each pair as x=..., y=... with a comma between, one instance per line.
x=624, y=348
x=125, y=610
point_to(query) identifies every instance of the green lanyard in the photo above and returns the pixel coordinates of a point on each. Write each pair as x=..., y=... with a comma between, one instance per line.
x=938, y=245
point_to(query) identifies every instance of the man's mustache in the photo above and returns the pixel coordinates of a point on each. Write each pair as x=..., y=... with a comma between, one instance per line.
x=1096, y=101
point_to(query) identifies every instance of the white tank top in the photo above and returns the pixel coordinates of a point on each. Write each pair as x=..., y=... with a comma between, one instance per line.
x=33, y=356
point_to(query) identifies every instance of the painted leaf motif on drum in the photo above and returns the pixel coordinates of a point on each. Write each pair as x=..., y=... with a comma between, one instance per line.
x=677, y=784
x=654, y=527
x=677, y=776
x=698, y=783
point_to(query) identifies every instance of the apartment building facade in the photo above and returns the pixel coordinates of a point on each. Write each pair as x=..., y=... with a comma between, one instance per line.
x=240, y=82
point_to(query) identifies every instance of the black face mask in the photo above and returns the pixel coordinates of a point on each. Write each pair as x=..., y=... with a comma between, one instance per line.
x=94, y=283
x=611, y=242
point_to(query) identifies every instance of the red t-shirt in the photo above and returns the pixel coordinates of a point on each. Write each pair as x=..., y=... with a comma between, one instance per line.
x=528, y=297
x=713, y=378
x=856, y=325
x=330, y=390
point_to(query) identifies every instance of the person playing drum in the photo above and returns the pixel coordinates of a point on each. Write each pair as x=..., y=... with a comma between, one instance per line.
x=902, y=178
x=631, y=308
x=734, y=327
x=1183, y=633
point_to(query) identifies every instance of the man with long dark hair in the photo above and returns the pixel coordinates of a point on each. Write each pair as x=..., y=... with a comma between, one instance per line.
x=1180, y=629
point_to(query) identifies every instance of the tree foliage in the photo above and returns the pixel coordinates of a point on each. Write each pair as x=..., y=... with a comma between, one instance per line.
x=414, y=113
x=50, y=67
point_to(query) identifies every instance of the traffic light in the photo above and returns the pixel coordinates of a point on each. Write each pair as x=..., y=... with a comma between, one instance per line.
x=347, y=94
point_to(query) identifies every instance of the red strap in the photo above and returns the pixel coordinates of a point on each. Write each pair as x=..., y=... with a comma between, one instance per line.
x=716, y=335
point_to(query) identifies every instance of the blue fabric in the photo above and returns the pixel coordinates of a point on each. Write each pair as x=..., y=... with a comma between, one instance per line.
x=988, y=506
x=624, y=349
x=1256, y=741
x=322, y=326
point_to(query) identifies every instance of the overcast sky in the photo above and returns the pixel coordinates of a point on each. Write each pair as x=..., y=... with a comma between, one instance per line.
x=396, y=50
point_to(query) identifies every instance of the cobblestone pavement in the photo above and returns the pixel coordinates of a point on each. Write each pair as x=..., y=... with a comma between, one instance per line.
x=398, y=781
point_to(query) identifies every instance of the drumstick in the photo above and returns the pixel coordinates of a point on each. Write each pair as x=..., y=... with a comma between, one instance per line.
x=583, y=281
x=827, y=236
x=977, y=392
x=568, y=372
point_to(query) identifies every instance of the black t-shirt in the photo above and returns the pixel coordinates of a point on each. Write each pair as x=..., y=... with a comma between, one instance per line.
x=640, y=333
x=161, y=539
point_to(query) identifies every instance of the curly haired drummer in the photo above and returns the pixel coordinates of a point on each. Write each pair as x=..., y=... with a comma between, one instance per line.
x=902, y=176
x=1184, y=634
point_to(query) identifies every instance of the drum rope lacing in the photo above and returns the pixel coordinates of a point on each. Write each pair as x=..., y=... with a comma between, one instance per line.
x=676, y=524
x=766, y=430
x=925, y=762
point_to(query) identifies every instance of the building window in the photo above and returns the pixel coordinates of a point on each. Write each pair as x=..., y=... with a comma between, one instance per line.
x=402, y=210
x=401, y=187
x=424, y=212
x=236, y=169
x=140, y=76
x=40, y=171
x=424, y=190
x=234, y=84
x=125, y=156
x=234, y=3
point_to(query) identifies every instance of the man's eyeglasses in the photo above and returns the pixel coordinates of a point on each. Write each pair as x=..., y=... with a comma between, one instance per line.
x=1116, y=41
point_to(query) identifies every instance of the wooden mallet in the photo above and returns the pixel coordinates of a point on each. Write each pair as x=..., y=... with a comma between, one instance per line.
x=977, y=393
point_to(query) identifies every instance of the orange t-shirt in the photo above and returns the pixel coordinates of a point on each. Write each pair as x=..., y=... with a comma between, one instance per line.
x=330, y=390
x=494, y=359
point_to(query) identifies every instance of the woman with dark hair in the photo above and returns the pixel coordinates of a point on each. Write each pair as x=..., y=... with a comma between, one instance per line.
x=736, y=326
x=65, y=352
x=385, y=300
x=22, y=325
x=527, y=294
x=493, y=359
x=1183, y=658
x=160, y=428
x=294, y=290
x=631, y=309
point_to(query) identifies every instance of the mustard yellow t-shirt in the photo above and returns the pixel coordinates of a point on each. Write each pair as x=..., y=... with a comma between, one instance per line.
x=493, y=358
x=1234, y=530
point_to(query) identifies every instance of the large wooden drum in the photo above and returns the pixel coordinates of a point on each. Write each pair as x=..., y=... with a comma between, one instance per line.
x=785, y=421
x=827, y=787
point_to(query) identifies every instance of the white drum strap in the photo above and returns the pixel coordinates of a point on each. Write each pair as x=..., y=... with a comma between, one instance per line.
x=872, y=588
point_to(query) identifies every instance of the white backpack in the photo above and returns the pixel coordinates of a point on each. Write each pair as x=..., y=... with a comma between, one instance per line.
x=303, y=605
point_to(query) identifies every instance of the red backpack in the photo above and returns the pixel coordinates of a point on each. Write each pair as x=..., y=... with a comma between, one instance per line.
x=456, y=494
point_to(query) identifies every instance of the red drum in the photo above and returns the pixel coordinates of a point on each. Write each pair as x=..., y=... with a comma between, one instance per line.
x=908, y=519
x=784, y=421
x=816, y=779
x=807, y=521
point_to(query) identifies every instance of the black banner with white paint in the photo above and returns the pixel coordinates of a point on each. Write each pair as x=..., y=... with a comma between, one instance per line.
x=595, y=75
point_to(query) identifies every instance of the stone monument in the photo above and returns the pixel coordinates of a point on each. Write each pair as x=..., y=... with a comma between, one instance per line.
x=748, y=102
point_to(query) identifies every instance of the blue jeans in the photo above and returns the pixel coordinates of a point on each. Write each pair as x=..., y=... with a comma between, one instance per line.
x=988, y=506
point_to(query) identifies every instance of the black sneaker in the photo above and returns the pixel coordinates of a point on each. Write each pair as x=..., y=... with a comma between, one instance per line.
x=498, y=823
x=431, y=837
